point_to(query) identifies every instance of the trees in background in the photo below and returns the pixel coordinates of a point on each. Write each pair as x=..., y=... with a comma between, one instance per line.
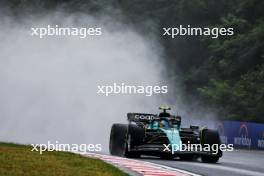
x=225, y=74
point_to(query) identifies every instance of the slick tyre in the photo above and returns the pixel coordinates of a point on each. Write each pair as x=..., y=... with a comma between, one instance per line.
x=211, y=137
x=118, y=140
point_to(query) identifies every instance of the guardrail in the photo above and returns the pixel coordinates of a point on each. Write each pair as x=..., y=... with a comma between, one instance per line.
x=246, y=135
x=242, y=134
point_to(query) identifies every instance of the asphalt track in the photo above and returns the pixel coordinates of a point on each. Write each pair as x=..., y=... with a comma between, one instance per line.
x=235, y=163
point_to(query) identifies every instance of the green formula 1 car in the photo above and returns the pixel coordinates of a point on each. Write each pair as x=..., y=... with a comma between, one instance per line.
x=162, y=135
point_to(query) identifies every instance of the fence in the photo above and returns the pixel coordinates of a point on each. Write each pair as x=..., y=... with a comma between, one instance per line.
x=241, y=134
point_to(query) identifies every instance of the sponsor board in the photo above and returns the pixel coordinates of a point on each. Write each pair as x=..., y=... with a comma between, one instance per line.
x=241, y=134
x=245, y=135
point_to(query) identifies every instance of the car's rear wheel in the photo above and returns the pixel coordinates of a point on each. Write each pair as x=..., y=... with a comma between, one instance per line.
x=211, y=137
x=118, y=139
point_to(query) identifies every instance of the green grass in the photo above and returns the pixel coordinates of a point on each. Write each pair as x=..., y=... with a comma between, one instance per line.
x=20, y=160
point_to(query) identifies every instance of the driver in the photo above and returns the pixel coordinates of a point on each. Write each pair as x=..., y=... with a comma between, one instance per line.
x=164, y=124
x=159, y=124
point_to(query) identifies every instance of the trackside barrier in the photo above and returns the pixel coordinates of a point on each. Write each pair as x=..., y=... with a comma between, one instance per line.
x=245, y=135
x=242, y=134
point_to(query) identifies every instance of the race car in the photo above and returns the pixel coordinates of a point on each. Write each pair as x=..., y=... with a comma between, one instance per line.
x=162, y=135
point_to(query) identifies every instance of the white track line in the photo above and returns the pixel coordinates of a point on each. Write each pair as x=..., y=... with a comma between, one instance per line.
x=227, y=168
x=173, y=169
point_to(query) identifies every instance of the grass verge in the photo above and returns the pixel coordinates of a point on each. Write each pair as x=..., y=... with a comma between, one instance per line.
x=20, y=160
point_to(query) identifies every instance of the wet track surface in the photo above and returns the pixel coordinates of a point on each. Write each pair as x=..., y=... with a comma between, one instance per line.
x=236, y=163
